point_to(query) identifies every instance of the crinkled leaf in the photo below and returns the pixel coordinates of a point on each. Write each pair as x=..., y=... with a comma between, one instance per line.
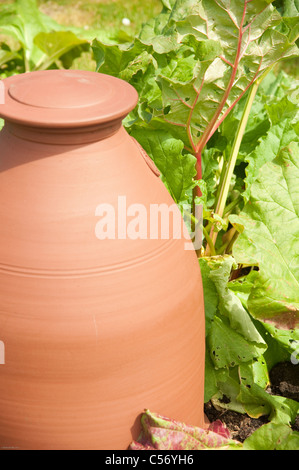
x=232, y=337
x=236, y=49
x=229, y=304
x=285, y=108
x=138, y=64
x=245, y=391
x=279, y=136
x=160, y=433
x=290, y=11
x=159, y=35
x=207, y=54
x=112, y=59
x=271, y=240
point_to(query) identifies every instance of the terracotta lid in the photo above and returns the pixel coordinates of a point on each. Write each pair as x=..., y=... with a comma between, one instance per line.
x=66, y=98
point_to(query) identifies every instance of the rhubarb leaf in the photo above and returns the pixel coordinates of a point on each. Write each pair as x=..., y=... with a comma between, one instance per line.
x=270, y=239
x=161, y=433
x=232, y=337
x=247, y=43
x=258, y=402
x=273, y=436
x=204, y=55
x=211, y=298
x=280, y=134
x=112, y=59
x=229, y=304
x=55, y=44
x=227, y=347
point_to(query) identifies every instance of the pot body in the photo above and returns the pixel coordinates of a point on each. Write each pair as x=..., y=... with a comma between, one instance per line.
x=95, y=330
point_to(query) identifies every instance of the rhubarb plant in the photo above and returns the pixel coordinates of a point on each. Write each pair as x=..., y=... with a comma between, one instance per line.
x=191, y=66
x=221, y=124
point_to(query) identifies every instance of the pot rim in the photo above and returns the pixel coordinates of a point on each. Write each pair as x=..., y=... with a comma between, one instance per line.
x=66, y=98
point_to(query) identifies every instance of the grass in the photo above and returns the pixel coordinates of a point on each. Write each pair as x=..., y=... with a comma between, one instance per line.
x=100, y=19
x=103, y=18
x=106, y=15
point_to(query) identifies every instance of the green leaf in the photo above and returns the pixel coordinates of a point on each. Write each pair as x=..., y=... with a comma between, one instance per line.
x=139, y=63
x=24, y=21
x=159, y=35
x=290, y=12
x=112, y=59
x=229, y=304
x=227, y=347
x=284, y=109
x=168, y=3
x=271, y=240
x=54, y=45
x=211, y=298
x=203, y=55
x=7, y=55
x=286, y=343
x=255, y=372
x=258, y=402
x=178, y=168
x=211, y=387
x=273, y=437
x=228, y=391
x=243, y=286
x=280, y=134
x=222, y=30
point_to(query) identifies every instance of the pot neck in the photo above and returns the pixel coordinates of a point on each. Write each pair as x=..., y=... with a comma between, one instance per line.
x=64, y=136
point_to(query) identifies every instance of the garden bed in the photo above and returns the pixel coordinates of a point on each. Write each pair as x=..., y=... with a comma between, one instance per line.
x=284, y=382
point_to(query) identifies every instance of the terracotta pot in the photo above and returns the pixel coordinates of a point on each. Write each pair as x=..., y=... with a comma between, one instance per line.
x=95, y=331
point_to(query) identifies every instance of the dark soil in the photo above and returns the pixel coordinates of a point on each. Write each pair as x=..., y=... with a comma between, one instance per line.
x=284, y=381
x=284, y=378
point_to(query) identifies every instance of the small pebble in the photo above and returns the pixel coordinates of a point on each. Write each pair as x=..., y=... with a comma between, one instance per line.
x=126, y=22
